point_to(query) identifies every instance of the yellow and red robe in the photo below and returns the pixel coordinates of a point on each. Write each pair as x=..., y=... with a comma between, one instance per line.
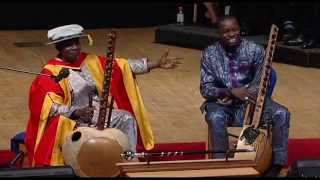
x=45, y=135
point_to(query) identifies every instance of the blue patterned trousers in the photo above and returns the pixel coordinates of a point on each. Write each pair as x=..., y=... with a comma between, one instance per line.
x=219, y=117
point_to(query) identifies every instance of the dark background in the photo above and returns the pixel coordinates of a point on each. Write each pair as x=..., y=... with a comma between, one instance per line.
x=95, y=14
x=37, y=15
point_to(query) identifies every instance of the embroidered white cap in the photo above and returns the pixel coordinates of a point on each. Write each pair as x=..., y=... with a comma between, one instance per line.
x=65, y=32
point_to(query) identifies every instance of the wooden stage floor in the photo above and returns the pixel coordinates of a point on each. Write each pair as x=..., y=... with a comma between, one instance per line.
x=171, y=96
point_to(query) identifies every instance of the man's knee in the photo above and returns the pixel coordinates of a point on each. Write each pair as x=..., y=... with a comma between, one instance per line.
x=282, y=116
x=128, y=115
x=122, y=118
x=216, y=120
x=123, y=114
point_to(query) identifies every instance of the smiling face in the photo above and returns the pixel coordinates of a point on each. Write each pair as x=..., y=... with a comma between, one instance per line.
x=69, y=50
x=229, y=31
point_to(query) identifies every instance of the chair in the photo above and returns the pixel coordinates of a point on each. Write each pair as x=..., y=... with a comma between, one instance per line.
x=235, y=131
x=6, y=157
x=18, y=147
x=14, y=158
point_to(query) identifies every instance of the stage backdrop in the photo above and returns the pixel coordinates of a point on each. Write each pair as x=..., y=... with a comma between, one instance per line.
x=90, y=14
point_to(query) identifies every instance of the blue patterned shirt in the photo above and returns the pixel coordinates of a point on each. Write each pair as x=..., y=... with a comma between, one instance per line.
x=221, y=70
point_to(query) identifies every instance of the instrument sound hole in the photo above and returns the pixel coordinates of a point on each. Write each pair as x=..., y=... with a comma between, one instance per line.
x=76, y=136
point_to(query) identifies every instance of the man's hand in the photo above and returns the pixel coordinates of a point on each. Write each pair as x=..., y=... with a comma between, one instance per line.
x=243, y=94
x=85, y=113
x=225, y=101
x=164, y=62
x=168, y=63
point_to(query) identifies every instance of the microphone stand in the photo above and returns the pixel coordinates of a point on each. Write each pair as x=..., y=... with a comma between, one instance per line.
x=24, y=71
x=62, y=74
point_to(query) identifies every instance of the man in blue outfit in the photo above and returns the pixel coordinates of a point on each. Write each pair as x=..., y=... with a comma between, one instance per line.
x=230, y=75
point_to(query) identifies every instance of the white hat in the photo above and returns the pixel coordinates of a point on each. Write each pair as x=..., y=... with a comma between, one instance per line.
x=63, y=33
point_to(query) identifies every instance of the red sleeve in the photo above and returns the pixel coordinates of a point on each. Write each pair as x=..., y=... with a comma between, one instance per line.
x=38, y=90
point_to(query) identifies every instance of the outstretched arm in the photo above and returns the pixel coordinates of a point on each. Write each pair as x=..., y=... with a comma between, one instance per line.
x=164, y=62
x=144, y=65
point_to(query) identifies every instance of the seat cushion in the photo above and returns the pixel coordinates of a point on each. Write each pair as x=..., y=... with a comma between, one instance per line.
x=6, y=156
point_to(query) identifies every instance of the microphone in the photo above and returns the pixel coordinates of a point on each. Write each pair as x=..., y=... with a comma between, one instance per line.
x=63, y=73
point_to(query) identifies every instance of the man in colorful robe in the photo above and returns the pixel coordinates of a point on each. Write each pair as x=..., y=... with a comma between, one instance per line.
x=57, y=103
